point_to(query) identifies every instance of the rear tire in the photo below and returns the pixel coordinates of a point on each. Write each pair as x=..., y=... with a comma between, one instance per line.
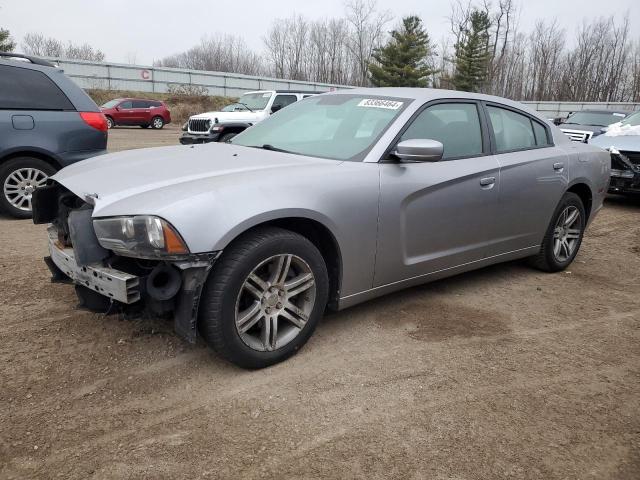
x=287, y=305
x=564, y=235
x=157, y=123
x=18, y=178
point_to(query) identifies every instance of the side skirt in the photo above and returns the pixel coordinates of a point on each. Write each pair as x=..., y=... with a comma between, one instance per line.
x=351, y=300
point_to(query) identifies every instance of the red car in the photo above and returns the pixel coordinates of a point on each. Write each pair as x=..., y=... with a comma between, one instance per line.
x=136, y=111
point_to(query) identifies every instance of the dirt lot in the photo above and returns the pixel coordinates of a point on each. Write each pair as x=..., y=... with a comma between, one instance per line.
x=501, y=373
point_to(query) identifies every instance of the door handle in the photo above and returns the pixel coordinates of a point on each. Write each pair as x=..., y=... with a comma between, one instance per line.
x=558, y=166
x=485, y=182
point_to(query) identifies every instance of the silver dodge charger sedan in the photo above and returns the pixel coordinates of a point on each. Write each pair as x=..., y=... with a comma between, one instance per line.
x=335, y=200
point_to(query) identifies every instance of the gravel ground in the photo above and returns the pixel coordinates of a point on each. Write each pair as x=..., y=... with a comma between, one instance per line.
x=504, y=372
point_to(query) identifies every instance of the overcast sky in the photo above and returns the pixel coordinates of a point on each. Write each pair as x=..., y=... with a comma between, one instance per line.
x=148, y=30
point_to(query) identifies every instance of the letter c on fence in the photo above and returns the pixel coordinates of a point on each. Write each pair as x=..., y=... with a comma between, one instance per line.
x=145, y=74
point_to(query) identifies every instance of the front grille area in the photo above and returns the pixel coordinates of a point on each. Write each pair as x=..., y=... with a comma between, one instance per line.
x=199, y=125
x=577, y=135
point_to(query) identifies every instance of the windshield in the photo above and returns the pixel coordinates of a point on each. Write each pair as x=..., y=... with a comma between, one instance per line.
x=632, y=120
x=255, y=101
x=111, y=103
x=596, y=119
x=340, y=127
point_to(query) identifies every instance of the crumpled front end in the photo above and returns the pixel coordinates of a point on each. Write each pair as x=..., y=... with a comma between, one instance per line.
x=625, y=172
x=104, y=278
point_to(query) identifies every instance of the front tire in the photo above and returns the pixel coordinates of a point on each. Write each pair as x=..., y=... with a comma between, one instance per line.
x=110, y=123
x=564, y=235
x=19, y=177
x=157, y=123
x=264, y=297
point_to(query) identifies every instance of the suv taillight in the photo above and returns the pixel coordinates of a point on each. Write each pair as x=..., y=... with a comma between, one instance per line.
x=96, y=120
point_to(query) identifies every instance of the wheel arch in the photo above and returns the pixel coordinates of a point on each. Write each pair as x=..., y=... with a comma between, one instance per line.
x=31, y=152
x=584, y=191
x=318, y=233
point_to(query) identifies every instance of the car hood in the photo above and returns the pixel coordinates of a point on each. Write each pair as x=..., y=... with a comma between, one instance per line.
x=150, y=180
x=228, y=116
x=620, y=142
x=581, y=128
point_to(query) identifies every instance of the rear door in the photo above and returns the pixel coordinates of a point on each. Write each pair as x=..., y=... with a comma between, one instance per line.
x=534, y=174
x=141, y=112
x=437, y=215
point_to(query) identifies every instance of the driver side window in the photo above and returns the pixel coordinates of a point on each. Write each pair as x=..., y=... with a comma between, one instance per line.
x=455, y=125
x=126, y=104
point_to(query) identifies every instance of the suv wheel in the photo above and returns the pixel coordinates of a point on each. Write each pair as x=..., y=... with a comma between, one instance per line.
x=110, y=123
x=264, y=297
x=19, y=178
x=157, y=123
x=564, y=235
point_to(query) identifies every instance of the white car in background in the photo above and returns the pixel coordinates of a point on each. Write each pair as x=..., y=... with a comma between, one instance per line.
x=622, y=140
x=251, y=108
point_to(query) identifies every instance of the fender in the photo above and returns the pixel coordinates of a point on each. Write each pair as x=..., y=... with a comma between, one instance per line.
x=272, y=215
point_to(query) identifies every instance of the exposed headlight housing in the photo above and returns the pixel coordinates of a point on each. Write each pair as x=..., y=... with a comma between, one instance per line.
x=141, y=236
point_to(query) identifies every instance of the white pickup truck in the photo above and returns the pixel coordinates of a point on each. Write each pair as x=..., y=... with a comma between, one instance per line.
x=251, y=108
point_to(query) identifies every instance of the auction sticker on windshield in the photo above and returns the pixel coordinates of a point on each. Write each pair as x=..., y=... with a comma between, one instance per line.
x=377, y=103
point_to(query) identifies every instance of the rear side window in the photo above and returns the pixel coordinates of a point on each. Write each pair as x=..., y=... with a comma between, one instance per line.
x=541, y=134
x=24, y=89
x=140, y=104
x=155, y=104
x=455, y=125
x=512, y=131
x=284, y=100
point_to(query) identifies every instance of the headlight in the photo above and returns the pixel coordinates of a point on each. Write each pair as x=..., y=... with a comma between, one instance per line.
x=142, y=236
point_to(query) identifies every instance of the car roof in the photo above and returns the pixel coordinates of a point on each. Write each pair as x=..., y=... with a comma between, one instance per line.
x=428, y=94
x=26, y=59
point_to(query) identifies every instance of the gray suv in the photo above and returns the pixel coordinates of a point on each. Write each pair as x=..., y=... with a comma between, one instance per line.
x=46, y=123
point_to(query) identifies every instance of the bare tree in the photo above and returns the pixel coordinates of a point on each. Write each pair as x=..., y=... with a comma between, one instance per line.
x=223, y=53
x=38, y=45
x=367, y=33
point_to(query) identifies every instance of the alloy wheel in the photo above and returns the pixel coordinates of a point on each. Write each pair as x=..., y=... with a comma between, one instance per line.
x=275, y=302
x=566, y=234
x=157, y=122
x=20, y=184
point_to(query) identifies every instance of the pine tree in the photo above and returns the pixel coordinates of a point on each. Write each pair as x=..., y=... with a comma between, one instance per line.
x=404, y=60
x=472, y=54
x=6, y=43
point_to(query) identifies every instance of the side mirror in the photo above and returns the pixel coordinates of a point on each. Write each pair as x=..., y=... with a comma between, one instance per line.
x=118, y=108
x=419, y=150
x=275, y=108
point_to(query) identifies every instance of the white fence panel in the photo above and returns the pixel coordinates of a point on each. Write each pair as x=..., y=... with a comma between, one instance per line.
x=112, y=76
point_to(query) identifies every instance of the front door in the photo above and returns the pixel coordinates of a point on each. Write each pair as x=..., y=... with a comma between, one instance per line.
x=438, y=215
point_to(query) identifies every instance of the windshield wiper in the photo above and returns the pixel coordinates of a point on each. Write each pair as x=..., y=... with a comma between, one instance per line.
x=245, y=105
x=266, y=146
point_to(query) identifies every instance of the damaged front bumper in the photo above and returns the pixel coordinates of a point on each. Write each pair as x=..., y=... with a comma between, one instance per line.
x=625, y=172
x=161, y=287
